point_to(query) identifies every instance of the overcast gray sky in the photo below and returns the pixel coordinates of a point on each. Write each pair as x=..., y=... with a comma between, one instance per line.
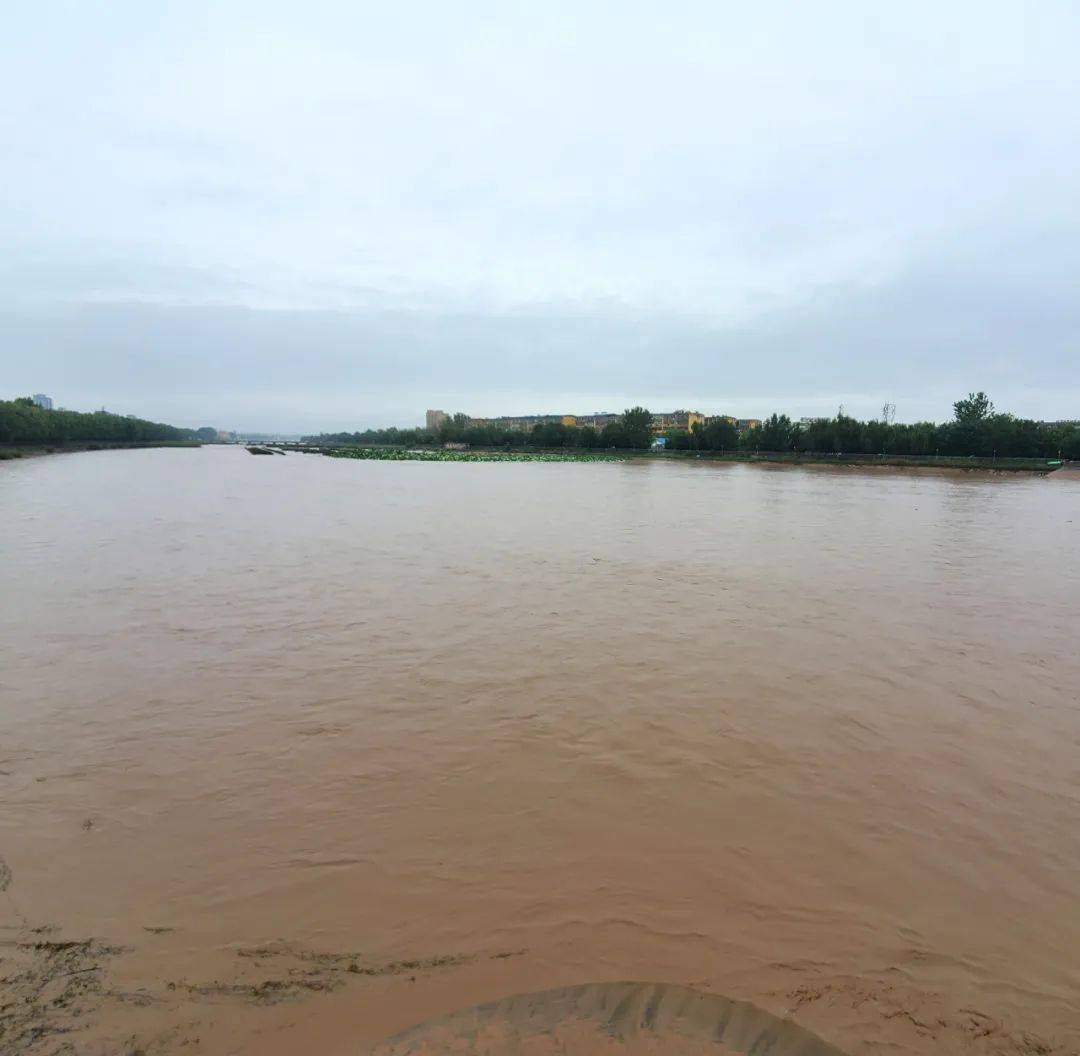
x=333, y=214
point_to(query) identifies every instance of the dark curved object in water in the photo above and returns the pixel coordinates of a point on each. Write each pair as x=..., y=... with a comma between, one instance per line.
x=608, y=1017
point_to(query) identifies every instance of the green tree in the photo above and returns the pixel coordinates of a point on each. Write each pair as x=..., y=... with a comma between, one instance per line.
x=848, y=435
x=775, y=433
x=818, y=435
x=637, y=427
x=613, y=435
x=22, y=421
x=552, y=434
x=975, y=408
x=750, y=440
x=970, y=432
x=718, y=435
x=452, y=429
x=878, y=436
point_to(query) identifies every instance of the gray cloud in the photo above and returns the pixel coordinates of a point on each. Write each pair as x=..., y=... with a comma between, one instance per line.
x=265, y=216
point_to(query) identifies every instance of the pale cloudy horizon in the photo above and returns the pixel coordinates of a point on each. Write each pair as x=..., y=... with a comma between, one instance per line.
x=269, y=217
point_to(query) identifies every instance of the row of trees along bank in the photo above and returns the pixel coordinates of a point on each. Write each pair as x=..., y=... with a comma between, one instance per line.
x=632, y=431
x=23, y=422
x=975, y=430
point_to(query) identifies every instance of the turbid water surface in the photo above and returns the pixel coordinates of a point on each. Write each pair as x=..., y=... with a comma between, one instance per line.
x=296, y=753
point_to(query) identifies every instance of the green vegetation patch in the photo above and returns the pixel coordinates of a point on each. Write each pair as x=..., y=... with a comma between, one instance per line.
x=399, y=454
x=23, y=422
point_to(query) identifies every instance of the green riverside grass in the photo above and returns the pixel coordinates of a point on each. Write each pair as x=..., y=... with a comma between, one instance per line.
x=397, y=454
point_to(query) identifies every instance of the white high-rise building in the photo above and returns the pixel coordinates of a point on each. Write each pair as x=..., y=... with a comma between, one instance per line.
x=43, y=401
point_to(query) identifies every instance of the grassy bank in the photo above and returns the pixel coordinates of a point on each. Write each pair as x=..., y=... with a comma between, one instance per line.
x=9, y=451
x=533, y=454
x=401, y=454
x=1016, y=465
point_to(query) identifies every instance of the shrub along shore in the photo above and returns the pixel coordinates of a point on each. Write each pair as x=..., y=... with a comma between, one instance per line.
x=33, y=450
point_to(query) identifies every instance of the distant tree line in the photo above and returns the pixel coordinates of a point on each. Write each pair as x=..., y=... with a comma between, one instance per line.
x=23, y=421
x=632, y=430
x=976, y=429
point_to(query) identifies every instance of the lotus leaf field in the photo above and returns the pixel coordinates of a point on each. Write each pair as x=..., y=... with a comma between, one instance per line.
x=399, y=454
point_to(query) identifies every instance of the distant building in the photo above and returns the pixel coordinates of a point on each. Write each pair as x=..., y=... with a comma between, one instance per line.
x=525, y=423
x=43, y=401
x=661, y=423
x=598, y=420
x=804, y=422
x=267, y=438
x=741, y=424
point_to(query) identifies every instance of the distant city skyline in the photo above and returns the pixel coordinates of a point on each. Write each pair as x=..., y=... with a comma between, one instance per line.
x=428, y=418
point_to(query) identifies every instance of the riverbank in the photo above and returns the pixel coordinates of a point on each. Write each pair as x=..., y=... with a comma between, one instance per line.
x=10, y=451
x=1006, y=465
x=397, y=454
x=437, y=454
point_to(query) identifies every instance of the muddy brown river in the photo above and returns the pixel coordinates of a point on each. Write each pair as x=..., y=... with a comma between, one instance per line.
x=297, y=753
